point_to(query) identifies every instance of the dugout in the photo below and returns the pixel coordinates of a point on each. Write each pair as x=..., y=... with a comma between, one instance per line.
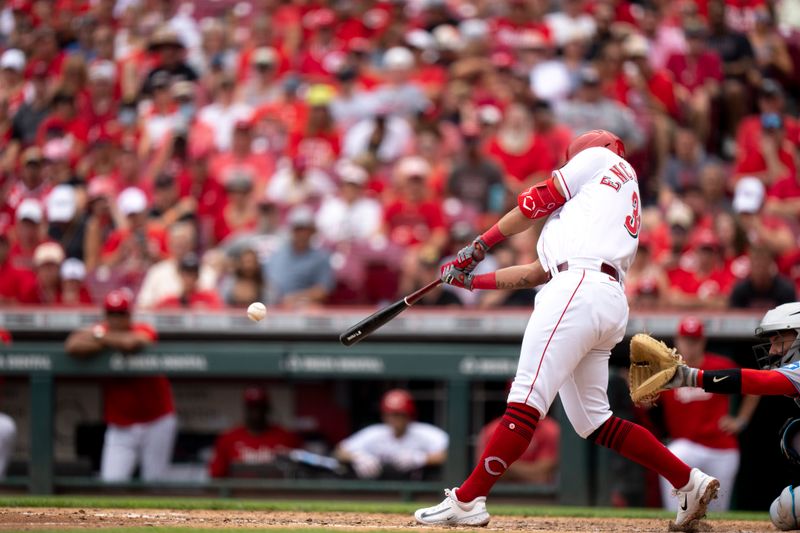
x=457, y=379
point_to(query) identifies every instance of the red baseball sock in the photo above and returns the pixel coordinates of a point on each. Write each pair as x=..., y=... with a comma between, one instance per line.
x=508, y=442
x=637, y=444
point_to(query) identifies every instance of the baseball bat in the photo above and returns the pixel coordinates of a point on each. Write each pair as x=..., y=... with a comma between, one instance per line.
x=381, y=317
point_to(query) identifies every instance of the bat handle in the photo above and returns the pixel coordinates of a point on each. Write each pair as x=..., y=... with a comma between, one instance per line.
x=417, y=295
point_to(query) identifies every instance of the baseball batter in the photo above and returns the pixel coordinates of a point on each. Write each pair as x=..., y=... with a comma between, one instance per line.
x=588, y=242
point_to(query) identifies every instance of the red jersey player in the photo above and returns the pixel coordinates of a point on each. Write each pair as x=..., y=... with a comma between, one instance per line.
x=702, y=432
x=253, y=444
x=139, y=411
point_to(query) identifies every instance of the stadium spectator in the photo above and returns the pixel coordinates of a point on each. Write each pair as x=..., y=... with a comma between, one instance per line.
x=139, y=411
x=589, y=109
x=223, y=113
x=65, y=225
x=266, y=236
x=244, y=283
x=242, y=162
x=771, y=50
x=33, y=110
x=99, y=220
x=764, y=287
x=698, y=75
x=190, y=296
x=12, y=279
x=73, y=291
x=647, y=285
x=32, y=183
x=171, y=64
x=766, y=142
x=263, y=85
x=317, y=141
x=381, y=138
x=524, y=157
x=46, y=288
x=683, y=166
x=295, y=183
x=706, y=283
x=28, y=233
x=350, y=216
x=539, y=463
x=240, y=211
x=399, y=445
x=475, y=179
x=761, y=228
x=299, y=274
x=700, y=428
x=163, y=279
x=245, y=451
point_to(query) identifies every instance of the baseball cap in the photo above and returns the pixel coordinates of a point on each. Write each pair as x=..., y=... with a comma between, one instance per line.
x=13, y=59
x=301, y=217
x=320, y=94
x=61, y=204
x=349, y=172
x=103, y=70
x=264, y=55
x=73, y=269
x=118, y=301
x=748, y=195
x=57, y=149
x=100, y=187
x=398, y=401
x=255, y=395
x=29, y=209
x=420, y=39
x=679, y=214
x=413, y=166
x=131, y=201
x=189, y=263
x=398, y=58
x=636, y=46
x=589, y=76
x=770, y=87
x=48, y=252
x=706, y=238
x=32, y=154
x=691, y=326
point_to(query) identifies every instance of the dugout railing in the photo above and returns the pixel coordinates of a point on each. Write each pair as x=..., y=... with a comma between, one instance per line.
x=272, y=349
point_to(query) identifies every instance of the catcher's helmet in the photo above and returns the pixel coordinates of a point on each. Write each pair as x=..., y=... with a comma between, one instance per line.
x=602, y=138
x=785, y=317
x=398, y=401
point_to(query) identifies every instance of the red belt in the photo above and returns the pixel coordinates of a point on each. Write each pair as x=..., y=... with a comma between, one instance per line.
x=605, y=268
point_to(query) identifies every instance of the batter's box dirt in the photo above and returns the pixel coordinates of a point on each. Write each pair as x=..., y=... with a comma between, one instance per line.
x=28, y=519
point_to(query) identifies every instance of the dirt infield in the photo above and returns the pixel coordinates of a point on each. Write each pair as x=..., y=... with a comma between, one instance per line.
x=23, y=518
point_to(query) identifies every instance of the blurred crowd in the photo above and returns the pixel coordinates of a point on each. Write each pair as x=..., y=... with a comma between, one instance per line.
x=213, y=153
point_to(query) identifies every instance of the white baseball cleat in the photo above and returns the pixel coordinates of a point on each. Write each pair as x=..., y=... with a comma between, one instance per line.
x=693, y=499
x=452, y=512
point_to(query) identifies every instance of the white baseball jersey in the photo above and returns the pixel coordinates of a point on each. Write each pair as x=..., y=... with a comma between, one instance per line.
x=379, y=440
x=600, y=220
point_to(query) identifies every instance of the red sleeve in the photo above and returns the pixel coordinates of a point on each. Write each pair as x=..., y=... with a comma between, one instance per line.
x=764, y=383
x=147, y=329
x=220, y=462
x=112, y=243
x=434, y=215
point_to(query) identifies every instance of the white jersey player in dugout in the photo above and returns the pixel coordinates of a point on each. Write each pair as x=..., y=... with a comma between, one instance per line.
x=588, y=242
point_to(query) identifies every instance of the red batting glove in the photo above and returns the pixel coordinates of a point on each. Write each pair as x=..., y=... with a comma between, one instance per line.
x=455, y=277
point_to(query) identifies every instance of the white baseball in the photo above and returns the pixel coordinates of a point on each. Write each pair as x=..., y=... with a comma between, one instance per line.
x=256, y=311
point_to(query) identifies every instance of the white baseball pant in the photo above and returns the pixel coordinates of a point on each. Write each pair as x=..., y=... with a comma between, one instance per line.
x=722, y=464
x=577, y=318
x=8, y=434
x=149, y=445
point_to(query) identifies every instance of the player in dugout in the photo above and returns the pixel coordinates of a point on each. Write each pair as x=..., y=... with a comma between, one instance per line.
x=139, y=411
x=243, y=450
x=399, y=444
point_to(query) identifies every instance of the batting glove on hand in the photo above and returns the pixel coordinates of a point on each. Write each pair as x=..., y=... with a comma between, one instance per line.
x=455, y=277
x=469, y=256
x=408, y=460
x=685, y=376
x=366, y=466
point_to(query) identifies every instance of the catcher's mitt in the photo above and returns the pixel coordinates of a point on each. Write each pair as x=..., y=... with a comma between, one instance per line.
x=653, y=364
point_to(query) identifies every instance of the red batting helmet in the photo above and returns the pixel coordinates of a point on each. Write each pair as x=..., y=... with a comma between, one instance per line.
x=603, y=138
x=398, y=401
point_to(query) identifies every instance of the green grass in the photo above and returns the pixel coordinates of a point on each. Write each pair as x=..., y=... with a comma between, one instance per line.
x=183, y=504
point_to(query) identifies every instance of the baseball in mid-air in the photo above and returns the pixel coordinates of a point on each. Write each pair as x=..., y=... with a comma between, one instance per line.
x=256, y=311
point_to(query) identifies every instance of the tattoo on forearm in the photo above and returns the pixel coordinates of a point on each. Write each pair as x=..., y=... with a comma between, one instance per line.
x=519, y=284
